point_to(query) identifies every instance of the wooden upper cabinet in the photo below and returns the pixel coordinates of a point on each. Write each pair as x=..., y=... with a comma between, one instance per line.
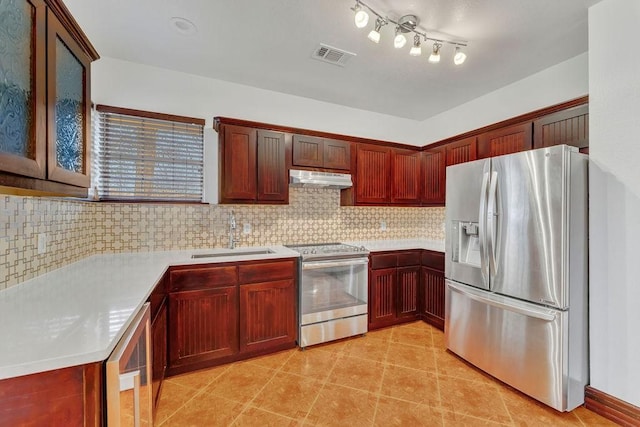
x=239, y=166
x=315, y=152
x=433, y=176
x=405, y=168
x=273, y=185
x=507, y=140
x=373, y=174
x=569, y=127
x=461, y=151
x=46, y=102
x=252, y=166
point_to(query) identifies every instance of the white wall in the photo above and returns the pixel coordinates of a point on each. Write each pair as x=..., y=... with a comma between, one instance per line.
x=562, y=82
x=614, y=147
x=126, y=84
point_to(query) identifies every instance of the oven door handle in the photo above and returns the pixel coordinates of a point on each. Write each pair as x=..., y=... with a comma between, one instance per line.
x=329, y=264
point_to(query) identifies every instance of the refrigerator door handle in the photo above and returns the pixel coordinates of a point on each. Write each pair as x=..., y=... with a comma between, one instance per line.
x=482, y=228
x=492, y=214
x=538, y=314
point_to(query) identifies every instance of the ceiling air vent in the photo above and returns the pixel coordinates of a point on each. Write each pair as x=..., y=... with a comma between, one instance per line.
x=332, y=55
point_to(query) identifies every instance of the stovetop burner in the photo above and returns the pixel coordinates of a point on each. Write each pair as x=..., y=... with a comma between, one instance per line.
x=329, y=250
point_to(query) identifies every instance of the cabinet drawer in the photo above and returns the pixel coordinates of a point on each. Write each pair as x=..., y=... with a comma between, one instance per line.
x=202, y=278
x=433, y=260
x=383, y=261
x=408, y=258
x=266, y=271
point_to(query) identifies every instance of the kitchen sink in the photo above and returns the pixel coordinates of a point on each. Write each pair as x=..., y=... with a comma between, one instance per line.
x=231, y=253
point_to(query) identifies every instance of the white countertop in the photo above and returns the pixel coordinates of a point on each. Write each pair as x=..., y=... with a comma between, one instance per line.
x=400, y=245
x=77, y=314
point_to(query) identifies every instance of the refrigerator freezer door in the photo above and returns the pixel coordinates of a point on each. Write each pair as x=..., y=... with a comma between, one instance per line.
x=467, y=189
x=520, y=343
x=530, y=216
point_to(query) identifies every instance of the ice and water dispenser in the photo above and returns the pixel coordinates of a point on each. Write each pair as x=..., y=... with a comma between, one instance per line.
x=466, y=243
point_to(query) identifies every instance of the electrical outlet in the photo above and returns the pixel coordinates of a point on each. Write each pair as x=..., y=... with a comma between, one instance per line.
x=383, y=225
x=42, y=243
x=246, y=228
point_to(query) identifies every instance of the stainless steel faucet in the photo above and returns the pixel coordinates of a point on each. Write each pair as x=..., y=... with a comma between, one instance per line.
x=232, y=230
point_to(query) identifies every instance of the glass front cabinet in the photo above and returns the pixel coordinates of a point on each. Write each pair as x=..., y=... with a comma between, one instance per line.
x=44, y=98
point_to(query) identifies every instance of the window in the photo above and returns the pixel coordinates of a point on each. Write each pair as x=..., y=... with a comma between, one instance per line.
x=140, y=155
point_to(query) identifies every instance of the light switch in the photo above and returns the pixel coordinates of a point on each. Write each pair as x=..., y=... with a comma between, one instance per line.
x=42, y=243
x=246, y=228
x=383, y=225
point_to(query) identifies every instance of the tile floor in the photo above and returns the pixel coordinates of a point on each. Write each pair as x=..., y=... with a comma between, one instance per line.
x=399, y=376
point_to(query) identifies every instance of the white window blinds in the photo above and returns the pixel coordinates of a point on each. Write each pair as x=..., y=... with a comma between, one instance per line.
x=147, y=156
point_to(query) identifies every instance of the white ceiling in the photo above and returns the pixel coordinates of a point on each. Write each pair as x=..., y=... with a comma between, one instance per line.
x=269, y=43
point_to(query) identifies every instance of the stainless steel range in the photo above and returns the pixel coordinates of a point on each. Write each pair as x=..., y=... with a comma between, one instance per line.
x=333, y=292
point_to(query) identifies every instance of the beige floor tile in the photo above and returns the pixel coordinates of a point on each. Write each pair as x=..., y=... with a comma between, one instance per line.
x=333, y=347
x=455, y=419
x=205, y=410
x=453, y=366
x=259, y=418
x=341, y=406
x=272, y=361
x=199, y=379
x=409, y=356
x=472, y=398
x=288, y=395
x=371, y=349
x=393, y=412
x=526, y=411
x=241, y=382
x=172, y=398
x=410, y=384
x=412, y=336
x=438, y=339
x=591, y=419
x=311, y=363
x=380, y=334
x=357, y=373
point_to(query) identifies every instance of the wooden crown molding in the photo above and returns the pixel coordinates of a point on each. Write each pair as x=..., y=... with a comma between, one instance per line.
x=71, y=25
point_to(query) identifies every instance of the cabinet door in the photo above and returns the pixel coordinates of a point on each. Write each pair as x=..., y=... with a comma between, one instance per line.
x=433, y=296
x=569, y=127
x=23, y=118
x=159, y=349
x=382, y=298
x=69, y=107
x=433, y=176
x=461, y=151
x=408, y=285
x=337, y=154
x=373, y=173
x=204, y=325
x=511, y=139
x=272, y=177
x=308, y=151
x=405, y=186
x=267, y=315
x=238, y=168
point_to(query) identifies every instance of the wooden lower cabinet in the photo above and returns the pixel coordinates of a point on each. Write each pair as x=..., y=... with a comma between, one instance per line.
x=432, y=288
x=267, y=316
x=382, y=301
x=203, y=326
x=159, y=350
x=63, y=397
x=408, y=285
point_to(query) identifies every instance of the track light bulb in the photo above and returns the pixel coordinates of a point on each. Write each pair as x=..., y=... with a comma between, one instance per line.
x=459, y=56
x=362, y=18
x=374, y=35
x=434, y=58
x=400, y=40
x=416, y=50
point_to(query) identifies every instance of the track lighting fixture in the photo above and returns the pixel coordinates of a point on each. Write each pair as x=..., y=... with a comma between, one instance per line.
x=374, y=35
x=434, y=58
x=416, y=50
x=406, y=24
x=459, y=56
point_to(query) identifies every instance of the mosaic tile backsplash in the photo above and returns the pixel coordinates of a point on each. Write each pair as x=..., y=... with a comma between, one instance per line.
x=76, y=229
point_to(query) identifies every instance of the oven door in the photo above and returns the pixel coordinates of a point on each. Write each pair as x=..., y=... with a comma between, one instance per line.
x=333, y=289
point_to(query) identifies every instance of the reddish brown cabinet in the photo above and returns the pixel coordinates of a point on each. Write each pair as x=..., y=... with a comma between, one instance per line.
x=373, y=174
x=570, y=126
x=461, y=151
x=253, y=165
x=323, y=153
x=433, y=176
x=432, y=291
x=159, y=334
x=393, y=287
x=405, y=183
x=506, y=140
x=224, y=312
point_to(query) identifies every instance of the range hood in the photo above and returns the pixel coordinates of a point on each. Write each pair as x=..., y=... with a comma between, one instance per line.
x=303, y=178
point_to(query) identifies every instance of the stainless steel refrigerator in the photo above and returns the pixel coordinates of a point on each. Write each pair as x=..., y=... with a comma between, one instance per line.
x=516, y=270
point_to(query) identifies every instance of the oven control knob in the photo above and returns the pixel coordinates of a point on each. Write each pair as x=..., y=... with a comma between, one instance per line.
x=305, y=252
x=363, y=249
x=313, y=251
